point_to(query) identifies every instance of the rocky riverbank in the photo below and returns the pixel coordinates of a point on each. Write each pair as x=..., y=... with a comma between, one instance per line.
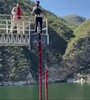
x=80, y=78
x=18, y=83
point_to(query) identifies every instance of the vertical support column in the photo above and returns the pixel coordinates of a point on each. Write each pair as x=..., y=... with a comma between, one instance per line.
x=6, y=26
x=29, y=35
x=29, y=30
x=23, y=27
x=46, y=26
x=47, y=31
x=40, y=68
x=46, y=83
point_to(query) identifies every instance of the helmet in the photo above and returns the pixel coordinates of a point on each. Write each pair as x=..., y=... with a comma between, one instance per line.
x=38, y=2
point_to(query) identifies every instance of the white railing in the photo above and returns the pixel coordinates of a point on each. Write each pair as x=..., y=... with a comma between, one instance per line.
x=26, y=27
x=5, y=24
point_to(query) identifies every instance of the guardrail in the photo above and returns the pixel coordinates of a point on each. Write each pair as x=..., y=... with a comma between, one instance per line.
x=26, y=24
x=26, y=28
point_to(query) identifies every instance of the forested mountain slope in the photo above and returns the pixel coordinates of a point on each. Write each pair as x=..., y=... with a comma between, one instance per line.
x=18, y=63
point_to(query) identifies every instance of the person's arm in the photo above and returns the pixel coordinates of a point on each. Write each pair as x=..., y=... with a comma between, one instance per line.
x=32, y=13
x=13, y=11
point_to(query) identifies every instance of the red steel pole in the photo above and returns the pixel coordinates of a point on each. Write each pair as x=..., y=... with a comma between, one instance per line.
x=40, y=68
x=46, y=83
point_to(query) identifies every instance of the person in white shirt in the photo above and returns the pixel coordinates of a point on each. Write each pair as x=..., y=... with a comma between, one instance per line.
x=37, y=11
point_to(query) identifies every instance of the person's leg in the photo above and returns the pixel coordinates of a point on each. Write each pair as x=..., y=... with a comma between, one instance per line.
x=12, y=26
x=36, y=24
x=41, y=21
x=18, y=26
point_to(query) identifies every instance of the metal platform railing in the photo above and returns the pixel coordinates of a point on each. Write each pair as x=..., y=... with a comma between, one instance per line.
x=26, y=28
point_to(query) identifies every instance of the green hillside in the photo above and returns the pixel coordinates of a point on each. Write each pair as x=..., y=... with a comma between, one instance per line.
x=77, y=56
x=74, y=20
x=68, y=51
x=17, y=63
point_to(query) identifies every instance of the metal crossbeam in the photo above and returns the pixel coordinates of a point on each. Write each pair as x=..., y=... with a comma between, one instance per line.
x=14, y=39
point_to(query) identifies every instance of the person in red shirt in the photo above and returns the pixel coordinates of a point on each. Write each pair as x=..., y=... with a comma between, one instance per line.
x=16, y=18
x=19, y=11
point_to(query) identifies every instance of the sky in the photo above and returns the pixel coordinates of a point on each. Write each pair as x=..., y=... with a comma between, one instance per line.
x=67, y=7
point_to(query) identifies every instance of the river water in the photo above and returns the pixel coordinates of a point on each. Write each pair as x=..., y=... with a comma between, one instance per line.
x=61, y=91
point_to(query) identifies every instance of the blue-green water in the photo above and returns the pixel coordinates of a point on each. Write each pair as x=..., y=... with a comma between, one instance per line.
x=62, y=91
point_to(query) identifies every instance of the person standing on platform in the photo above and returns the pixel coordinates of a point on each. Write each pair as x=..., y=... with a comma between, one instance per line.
x=37, y=11
x=16, y=18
